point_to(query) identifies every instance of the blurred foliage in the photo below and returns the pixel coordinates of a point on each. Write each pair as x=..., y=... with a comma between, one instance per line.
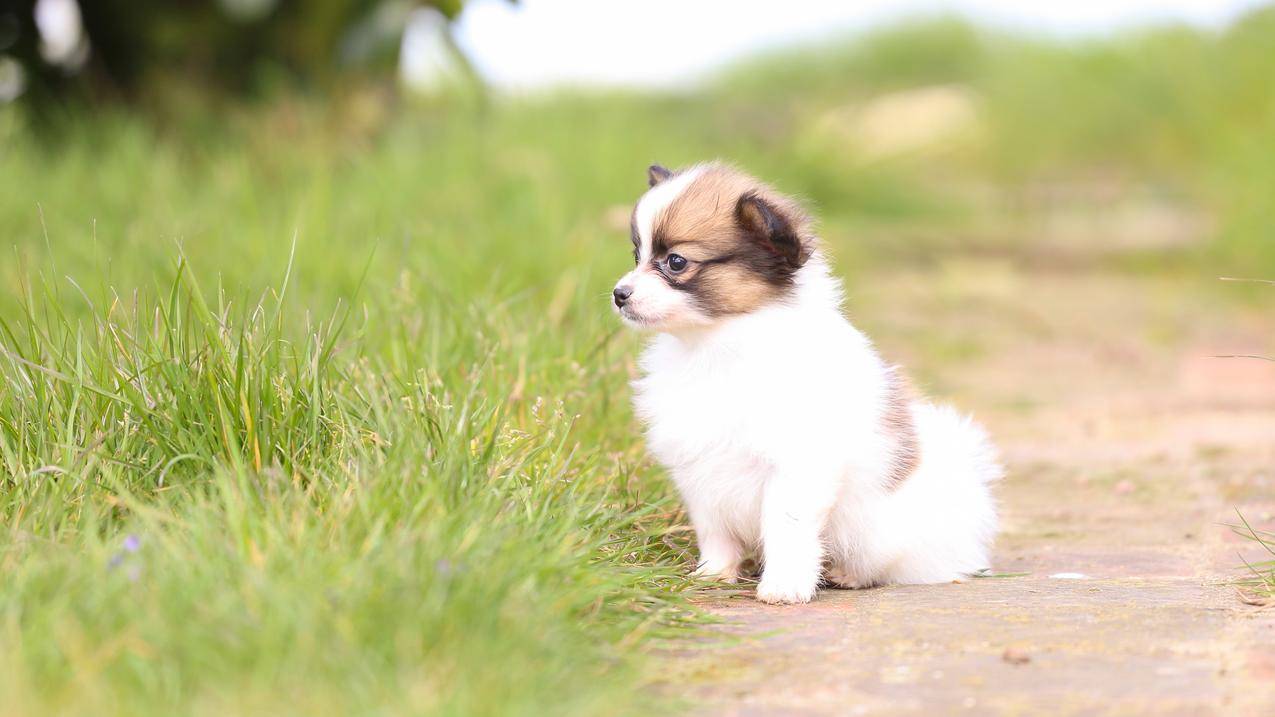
x=1181, y=113
x=223, y=47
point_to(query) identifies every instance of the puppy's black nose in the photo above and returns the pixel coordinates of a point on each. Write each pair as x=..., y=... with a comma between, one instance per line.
x=621, y=294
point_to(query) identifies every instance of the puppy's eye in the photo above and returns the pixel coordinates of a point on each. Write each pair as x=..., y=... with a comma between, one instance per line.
x=635, y=256
x=676, y=263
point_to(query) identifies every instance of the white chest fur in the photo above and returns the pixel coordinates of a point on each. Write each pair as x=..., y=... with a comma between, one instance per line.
x=790, y=386
x=702, y=425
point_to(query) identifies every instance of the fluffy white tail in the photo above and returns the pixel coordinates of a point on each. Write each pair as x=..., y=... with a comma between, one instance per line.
x=942, y=519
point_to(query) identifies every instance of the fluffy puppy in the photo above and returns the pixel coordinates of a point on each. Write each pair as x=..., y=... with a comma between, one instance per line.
x=785, y=432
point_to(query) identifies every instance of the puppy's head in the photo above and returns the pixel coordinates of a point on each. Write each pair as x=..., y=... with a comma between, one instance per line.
x=709, y=242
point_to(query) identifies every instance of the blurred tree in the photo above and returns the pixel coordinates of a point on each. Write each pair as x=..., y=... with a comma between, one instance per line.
x=228, y=46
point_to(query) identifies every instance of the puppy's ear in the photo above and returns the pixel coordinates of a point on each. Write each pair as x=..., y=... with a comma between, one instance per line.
x=656, y=174
x=773, y=227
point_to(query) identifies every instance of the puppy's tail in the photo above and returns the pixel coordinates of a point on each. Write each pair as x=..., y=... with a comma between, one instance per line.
x=944, y=515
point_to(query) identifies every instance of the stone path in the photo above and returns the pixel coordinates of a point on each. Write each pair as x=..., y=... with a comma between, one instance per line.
x=1128, y=447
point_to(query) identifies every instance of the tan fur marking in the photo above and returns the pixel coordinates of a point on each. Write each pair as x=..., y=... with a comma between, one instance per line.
x=701, y=225
x=704, y=214
x=900, y=429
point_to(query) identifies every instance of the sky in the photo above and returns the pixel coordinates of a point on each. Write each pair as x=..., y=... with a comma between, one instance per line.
x=660, y=43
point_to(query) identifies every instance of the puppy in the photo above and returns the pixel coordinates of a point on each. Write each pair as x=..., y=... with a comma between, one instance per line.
x=785, y=432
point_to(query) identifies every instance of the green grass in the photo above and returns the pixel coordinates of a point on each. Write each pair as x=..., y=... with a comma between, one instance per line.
x=1259, y=585
x=205, y=513
x=315, y=410
x=391, y=471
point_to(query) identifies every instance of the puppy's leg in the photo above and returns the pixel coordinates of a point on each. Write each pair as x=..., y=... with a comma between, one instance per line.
x=857, y=549
x=844, y=575
x=794, y=510
x=720, y=553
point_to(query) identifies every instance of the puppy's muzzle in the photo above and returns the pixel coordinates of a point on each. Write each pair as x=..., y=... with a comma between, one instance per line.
x=621, y=294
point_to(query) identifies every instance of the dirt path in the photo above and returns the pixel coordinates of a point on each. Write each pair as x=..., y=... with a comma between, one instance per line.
x=1127, y=447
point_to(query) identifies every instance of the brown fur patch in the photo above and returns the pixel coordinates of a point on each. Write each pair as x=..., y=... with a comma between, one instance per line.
x=736, y=265
x=900, y=429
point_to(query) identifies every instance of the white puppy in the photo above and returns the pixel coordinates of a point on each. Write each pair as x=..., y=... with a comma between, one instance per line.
x=783, y=429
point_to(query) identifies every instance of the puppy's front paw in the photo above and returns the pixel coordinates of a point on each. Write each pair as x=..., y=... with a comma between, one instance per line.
x=785, y=591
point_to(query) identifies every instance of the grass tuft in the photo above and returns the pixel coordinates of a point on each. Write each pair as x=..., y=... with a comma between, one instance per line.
x=1259, y=588
x=206, y=511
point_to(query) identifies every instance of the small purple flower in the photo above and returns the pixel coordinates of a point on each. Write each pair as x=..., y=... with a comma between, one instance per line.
x=443, y=567
x=130, y=545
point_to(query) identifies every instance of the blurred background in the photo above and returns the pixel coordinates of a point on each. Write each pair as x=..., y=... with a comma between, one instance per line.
x=1128, y=131
x=491, y=149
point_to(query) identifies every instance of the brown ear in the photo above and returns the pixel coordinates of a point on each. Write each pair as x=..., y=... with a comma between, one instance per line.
x=656, y=174
x=771, y=226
